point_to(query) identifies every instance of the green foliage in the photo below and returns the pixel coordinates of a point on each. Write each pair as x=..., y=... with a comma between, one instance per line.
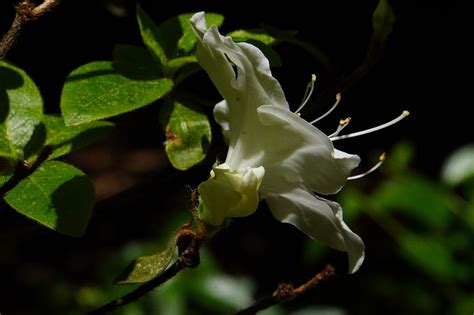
x=429, y=205
x=171, y=42
x=145, y=268
x=255, y=34
x=431, y=227
x=431, y=255
x=383, y=20
x=21, y=112
x=57, y=195
x=100, y=90
x=64, y=139
x=188, y=134
x=5, y=174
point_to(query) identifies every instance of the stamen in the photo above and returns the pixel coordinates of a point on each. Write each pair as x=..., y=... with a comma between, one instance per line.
x=376, y=166
x=338, y=99
x=342, y=124
x=370, y=130
x=307, y=93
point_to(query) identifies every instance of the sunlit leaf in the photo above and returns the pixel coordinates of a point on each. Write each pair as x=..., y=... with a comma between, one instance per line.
x=256, y=34
x=56, y=195
x=172, y=41
x=21, y=111
x=176, y=35
x=188, y=134
x=151, y=36
x=64, y=139
x=146, y=268
x=181, y=61
x=99, y=90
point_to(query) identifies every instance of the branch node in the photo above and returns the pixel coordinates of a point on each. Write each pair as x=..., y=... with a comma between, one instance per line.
x=25, y=11
x=188, y=243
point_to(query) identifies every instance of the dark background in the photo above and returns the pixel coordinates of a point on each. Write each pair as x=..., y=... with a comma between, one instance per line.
x=426, y=69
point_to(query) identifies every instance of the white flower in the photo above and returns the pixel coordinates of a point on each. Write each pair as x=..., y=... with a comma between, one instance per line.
x=273, y=153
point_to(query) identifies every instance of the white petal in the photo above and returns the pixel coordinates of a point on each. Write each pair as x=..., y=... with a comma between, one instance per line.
x=198, y=22
x=313, y=160
x=318, y=218
x=242, y=75
x=221, y=115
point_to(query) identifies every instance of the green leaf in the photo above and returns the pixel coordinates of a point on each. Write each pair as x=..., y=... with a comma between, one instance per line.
x=188, y=134
x=176, y=35
x=145, y=268
x=135, y=62
x=187, y=41
x=417, y=198
x=150, y=35
x=459, y=167
x=255, y=34
x=99, y=90
x=6, y=172
x=179, y=62
x=173, y=40
x=399, y=158
x=57, y=195
x=184, y=41
x=383, y=20
x=21, y=111
x=429, y=255
x=65, y=139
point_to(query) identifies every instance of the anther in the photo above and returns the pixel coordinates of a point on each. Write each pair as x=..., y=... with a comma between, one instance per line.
x=307, y=93
x=370, y=130
x=342, y=124
x=376, y=166
x=338, y=99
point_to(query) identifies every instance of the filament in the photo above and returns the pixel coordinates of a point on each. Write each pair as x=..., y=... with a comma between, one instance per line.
x=338, y=99
x=376, y=166
x=370, y=130
x=307, y=94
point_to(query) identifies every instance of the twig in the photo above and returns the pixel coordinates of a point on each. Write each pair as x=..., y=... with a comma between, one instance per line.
x=285, y=291
x=189, y=243
x=25, y=11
